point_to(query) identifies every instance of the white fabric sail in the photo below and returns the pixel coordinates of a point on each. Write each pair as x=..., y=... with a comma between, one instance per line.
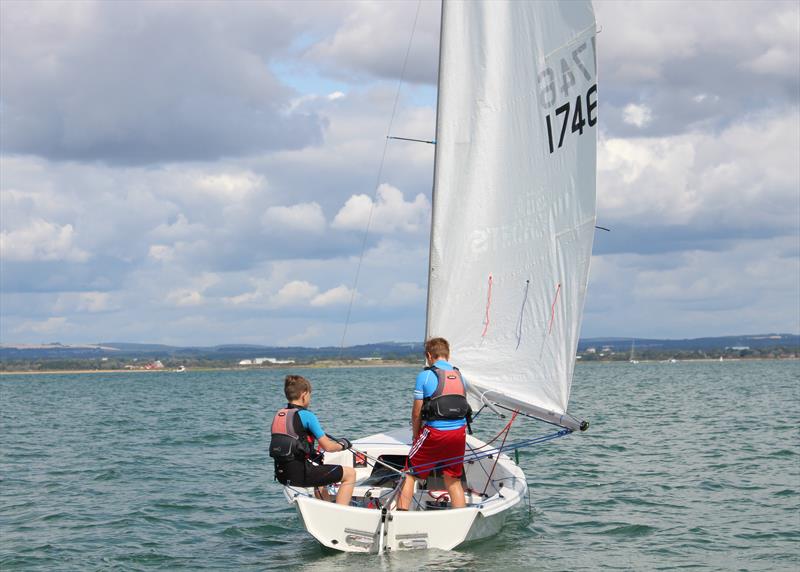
x=514, y=197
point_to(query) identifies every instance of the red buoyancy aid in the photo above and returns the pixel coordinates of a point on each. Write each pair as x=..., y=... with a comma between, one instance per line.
x=290, y=440
x=449, y=400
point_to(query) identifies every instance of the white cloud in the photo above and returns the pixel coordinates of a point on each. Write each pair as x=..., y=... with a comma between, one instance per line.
x=229, y=186
x=638, y=115
x=295, y=292
x=194, y=295
x=333, y=297
x=83, y=302
x=178, y=229
x=747, y=174
x=94, y=302
x=161, y=252
x=383, y=27
x=41, y=240
x=639, y=37
x=715, y=136
x=53, y=325
x=749, y=287
x=389, y=214
x=406, y=294
x=779, y=32
x=309, y=335
x=186, y=297
x=303, y=217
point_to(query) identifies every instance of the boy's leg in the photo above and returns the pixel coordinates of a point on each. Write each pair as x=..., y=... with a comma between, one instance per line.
x=346, y=487
x=455, y=490
x=406, y=493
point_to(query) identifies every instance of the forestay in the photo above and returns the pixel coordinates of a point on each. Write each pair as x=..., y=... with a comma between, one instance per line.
x=514, y=196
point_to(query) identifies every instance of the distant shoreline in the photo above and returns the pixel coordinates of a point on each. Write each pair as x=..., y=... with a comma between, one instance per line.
x=340, y=365
x=264, y=369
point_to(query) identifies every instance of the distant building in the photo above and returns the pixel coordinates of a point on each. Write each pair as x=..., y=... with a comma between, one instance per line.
x=265, y=360
x=739, y=348
x=154, y=365
x=591, y=350
x=370, y=358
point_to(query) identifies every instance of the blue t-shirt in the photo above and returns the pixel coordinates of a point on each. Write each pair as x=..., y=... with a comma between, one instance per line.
x=426, y=385
x=311, y=423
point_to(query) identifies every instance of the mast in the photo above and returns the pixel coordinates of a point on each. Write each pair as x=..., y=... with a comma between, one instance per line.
x=435, y=163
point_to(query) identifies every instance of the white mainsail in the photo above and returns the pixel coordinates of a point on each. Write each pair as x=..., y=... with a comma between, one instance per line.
x=514, y=197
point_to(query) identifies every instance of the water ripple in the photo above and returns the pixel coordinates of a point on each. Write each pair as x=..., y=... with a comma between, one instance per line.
x=136, y=472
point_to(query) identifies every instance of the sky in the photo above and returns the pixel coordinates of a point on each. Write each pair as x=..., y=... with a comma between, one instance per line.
x=201, y=173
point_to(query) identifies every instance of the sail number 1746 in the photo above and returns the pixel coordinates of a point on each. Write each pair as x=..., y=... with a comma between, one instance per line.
x=577, y=119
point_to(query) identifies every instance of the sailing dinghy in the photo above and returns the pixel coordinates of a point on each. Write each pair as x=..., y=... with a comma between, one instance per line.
x=512, y=231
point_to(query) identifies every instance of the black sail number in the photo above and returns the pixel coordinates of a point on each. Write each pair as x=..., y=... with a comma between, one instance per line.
x=578, y=119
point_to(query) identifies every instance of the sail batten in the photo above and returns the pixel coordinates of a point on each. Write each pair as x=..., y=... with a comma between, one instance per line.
x=514, y=195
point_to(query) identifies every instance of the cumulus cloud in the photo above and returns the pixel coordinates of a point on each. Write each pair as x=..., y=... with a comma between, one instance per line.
x=665, y=53
x=747, y=287
x=333, y=297
x=147, y=83
x=41, y=240
x=193, y=295
x=309, y=335
x=84, y=302
x=638, y=115
x=390, y=213
x=247, y=150
x=229, y=186
x=743, y=178
x=303, y=217
x=373, y=37
x=406, y=293
x=295, y=292
x=53, y=325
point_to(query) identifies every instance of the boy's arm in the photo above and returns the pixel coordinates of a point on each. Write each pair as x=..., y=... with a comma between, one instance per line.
x=416, y=408
x=311, y=423
x=330, y=445
x=416, y=419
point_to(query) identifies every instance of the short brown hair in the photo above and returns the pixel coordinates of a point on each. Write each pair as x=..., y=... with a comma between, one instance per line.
x=437, y=347
x=294, y=386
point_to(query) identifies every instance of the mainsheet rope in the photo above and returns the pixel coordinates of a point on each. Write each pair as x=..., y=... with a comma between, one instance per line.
x=505, y=436
x=472, y=456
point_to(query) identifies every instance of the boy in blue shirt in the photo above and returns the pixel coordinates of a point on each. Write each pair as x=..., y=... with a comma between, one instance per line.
x=294, y=429
x=440, y=401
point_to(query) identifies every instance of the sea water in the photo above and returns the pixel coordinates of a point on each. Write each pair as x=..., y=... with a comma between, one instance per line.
x=686, y=465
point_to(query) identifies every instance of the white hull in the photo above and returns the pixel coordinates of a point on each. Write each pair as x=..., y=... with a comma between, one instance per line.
x=360, y=529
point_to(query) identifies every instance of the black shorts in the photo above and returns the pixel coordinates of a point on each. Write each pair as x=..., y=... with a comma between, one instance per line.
x=304, y=474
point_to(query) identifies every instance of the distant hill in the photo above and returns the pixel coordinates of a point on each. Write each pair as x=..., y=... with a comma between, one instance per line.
x=757, y=341
x=386, y=350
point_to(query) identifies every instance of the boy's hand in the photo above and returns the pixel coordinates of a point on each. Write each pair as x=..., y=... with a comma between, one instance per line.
x=345, y=443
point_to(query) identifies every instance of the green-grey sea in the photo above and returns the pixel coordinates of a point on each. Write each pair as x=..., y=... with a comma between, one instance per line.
x=686, y=466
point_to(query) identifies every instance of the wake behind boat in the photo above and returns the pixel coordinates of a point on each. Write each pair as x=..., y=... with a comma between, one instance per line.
x=511, y=239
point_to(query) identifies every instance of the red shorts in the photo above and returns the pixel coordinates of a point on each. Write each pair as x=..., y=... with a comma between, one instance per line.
x=435, y=448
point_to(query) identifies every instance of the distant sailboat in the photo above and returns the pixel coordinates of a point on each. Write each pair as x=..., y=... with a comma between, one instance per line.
x=633, y=352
